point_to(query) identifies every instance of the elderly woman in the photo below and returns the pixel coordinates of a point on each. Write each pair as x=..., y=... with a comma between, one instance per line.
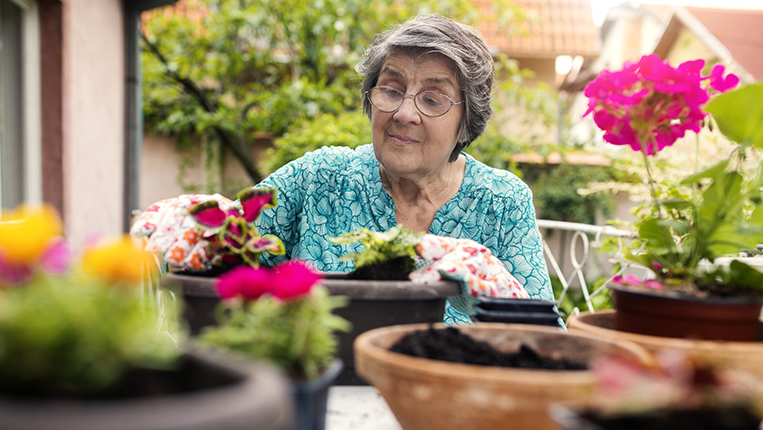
x=427, y=91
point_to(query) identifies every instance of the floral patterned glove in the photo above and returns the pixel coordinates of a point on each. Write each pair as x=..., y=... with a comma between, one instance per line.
x=479, y=272
x=173, y=234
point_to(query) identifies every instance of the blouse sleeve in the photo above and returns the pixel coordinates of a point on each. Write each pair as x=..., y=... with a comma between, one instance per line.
x=283, y=219
x=521, y=245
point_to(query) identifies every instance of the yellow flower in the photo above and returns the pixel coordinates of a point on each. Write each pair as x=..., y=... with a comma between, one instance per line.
x=118, y=261
x=25, y=233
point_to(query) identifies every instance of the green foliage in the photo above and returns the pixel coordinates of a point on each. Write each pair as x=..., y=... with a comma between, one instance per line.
x=556, y=196
x=574, y=297
x=739, y=115
x=722, y=216
x=381, y=247
x=296, y=335
x=231, y=68
x=350, y=128
x=66, y=337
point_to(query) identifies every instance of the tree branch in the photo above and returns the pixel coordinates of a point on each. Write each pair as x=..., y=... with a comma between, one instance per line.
x=236, y=144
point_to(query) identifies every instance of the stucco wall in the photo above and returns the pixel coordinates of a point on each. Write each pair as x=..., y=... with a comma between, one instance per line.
x=94, y=111
x=165, y=173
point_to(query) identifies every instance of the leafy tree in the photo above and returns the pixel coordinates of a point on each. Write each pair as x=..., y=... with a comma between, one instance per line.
x=556, y=197
x=230, y=68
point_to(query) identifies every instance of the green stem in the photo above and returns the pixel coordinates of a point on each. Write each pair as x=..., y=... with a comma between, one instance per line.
x=651, y=179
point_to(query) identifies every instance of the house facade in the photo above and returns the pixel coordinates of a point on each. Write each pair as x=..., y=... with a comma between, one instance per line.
x=65, y=116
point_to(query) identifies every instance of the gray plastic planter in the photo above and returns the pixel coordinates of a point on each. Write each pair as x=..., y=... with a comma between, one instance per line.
x=217, y=394
x=373, y=304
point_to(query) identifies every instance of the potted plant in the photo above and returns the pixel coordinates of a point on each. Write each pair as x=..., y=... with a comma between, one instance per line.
x=81, y=348
x=375, y=298
x=380, y=290
x=746, y=356
x=677, y=393
x=648, y=105
x=282, y=315
x=426, y=392
x=211, y=236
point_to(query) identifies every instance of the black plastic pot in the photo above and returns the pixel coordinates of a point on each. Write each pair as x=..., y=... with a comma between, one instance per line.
x=373, y=304
x=311, y=399
x=517, y=311
x=209, y=392
x=716, y=418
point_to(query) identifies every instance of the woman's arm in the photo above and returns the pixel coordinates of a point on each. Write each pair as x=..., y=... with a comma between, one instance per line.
x=521, y=245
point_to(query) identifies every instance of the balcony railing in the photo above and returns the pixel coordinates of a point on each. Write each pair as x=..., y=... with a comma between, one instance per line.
x=580, y=252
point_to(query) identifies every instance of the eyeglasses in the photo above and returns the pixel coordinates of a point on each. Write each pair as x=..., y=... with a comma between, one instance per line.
x=429, y=103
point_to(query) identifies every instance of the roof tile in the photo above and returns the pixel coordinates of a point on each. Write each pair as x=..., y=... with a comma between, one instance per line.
x=554, y=27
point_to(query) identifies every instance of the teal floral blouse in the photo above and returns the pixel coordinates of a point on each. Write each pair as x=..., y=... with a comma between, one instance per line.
x=335, y=190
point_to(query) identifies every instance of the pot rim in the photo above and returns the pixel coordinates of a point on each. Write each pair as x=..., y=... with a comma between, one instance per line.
x=676, y=295
x=203, y=286
x=364, y=347
x=653, y=341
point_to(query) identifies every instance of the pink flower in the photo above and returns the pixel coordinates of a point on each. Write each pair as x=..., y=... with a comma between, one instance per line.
x=244, y=281
x=649, y=105
x=287, y=281
x=294, y=279
x=55, y=260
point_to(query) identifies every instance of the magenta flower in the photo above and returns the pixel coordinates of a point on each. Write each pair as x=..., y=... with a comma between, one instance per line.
x=232, y=233
x=635, y=281
x=246, y=282
x=290, y=280
x=649, y=105
x=294, y=279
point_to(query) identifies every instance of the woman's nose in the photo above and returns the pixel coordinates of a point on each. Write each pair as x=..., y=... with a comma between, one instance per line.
x=408, y=112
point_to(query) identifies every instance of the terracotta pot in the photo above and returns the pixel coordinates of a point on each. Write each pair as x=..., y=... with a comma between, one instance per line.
x=742, y=355
x=214, y=393
x=672, y=315
x=372, y=304
x=429, y=394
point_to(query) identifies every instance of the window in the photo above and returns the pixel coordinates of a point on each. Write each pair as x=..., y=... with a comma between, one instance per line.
x=20, y=163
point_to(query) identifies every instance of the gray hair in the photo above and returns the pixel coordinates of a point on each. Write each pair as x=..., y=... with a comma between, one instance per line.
x=461, y=44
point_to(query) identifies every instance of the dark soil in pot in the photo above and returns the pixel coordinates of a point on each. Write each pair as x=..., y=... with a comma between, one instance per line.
x=730, y=418
x=189, y=375
x=393, y=270
x=451, y=345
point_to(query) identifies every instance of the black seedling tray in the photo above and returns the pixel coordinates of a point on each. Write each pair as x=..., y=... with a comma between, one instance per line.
x=515, y=305
x=538, y=318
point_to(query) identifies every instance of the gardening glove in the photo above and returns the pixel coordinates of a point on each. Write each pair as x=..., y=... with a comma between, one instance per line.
x=172, y=234
x=473, y=266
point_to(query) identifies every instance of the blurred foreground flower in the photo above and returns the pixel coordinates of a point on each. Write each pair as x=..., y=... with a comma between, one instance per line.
x=60, y=334
x=282, y=315
x=30, y=240
x=118, y=261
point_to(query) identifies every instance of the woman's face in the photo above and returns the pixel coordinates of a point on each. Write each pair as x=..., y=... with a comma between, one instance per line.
x=406, y=142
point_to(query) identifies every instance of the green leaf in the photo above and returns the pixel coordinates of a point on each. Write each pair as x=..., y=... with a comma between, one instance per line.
x=677, y=203
x=711, y=172
x=655, y=235
x=739, y=114
x=741, y=274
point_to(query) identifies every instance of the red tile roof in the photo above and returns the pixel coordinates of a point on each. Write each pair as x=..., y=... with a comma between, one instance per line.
x=554, y=27
x=740, y=31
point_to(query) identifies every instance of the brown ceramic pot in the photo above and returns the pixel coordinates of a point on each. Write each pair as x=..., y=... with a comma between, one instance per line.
x=429, y=394
x=742, y=355
x=670, y=314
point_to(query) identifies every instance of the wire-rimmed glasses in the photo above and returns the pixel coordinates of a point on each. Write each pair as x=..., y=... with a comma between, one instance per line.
x=429, y=103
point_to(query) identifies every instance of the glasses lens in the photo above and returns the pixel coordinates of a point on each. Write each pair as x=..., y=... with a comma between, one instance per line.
x=386, y=99
x=432, y=103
